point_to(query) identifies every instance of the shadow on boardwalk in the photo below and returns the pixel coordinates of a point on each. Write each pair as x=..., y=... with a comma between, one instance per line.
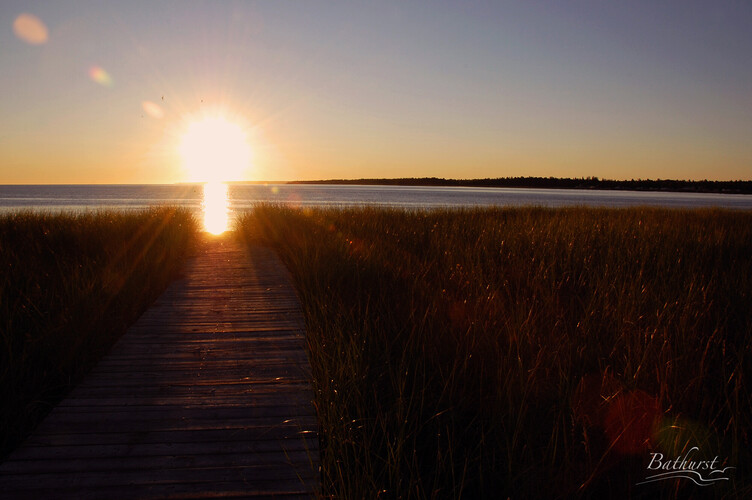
x=208, y=394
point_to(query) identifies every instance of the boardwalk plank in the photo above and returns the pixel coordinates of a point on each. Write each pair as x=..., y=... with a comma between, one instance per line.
x=271, y=476
x=236, y=489
x=281, y=421
x=100, y=451
x=263, y=397
x=55, y=466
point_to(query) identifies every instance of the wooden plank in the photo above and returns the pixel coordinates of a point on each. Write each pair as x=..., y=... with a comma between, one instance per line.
x=180, y=461
x=140, y=384
x=99, y=451
x=146, y=365
x=223, y=375
x=151, y=434
x=160, y=396
x=210, y=338
x=271, y=476
x=79, y=425
x=195, y=412
x=225, y=489
x=248, y=347
x=207, y=395
x=266, y=396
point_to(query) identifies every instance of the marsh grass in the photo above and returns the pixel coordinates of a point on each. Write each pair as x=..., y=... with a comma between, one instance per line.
x=69, y=287
x=523, y=352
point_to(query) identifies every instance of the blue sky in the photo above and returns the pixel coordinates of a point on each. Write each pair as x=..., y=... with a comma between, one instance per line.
x=382, y=89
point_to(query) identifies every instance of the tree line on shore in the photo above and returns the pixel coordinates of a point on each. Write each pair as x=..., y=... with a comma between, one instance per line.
x=702, y=186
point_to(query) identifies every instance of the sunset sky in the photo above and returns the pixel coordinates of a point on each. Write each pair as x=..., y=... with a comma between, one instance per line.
x=106, y=92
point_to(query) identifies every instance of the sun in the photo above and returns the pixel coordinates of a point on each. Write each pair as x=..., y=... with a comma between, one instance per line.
x=214, y=149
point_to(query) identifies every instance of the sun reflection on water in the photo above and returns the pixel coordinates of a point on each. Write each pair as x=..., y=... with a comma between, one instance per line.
x=216, y=207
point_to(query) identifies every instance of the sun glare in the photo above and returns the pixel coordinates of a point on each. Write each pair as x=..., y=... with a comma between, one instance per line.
x=214, y=149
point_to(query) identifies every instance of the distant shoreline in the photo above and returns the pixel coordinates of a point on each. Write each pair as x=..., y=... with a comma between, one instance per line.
x=585, y=183
x=704, y=186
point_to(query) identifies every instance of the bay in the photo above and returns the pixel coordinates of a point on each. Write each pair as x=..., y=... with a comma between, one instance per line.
x=76, y=198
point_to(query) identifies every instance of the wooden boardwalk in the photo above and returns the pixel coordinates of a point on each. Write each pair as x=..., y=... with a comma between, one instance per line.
x=207, y=395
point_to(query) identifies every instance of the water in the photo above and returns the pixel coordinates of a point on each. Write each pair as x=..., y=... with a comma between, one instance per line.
x=127, y=197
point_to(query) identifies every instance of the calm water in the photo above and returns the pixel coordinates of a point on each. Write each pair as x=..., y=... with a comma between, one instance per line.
x=78, y=198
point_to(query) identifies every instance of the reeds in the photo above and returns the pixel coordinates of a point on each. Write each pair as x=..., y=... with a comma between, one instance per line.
x=523, y=352
x=69, y=287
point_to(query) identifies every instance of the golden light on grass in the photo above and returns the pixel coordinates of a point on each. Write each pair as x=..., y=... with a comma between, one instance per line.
x=610, y=326
x=216, y=207
x=30, y=29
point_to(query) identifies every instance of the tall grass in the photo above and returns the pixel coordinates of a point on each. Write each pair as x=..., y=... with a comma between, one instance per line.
x=69, y=286
x=522, y=352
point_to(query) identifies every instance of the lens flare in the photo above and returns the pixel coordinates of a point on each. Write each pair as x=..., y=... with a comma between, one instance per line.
x=100, y=76
x=216, y=207
x=30, y=29
x=152, y=109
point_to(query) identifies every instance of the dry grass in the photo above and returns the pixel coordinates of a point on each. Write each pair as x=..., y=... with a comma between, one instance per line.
x=69, y=287
x=522, y=352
